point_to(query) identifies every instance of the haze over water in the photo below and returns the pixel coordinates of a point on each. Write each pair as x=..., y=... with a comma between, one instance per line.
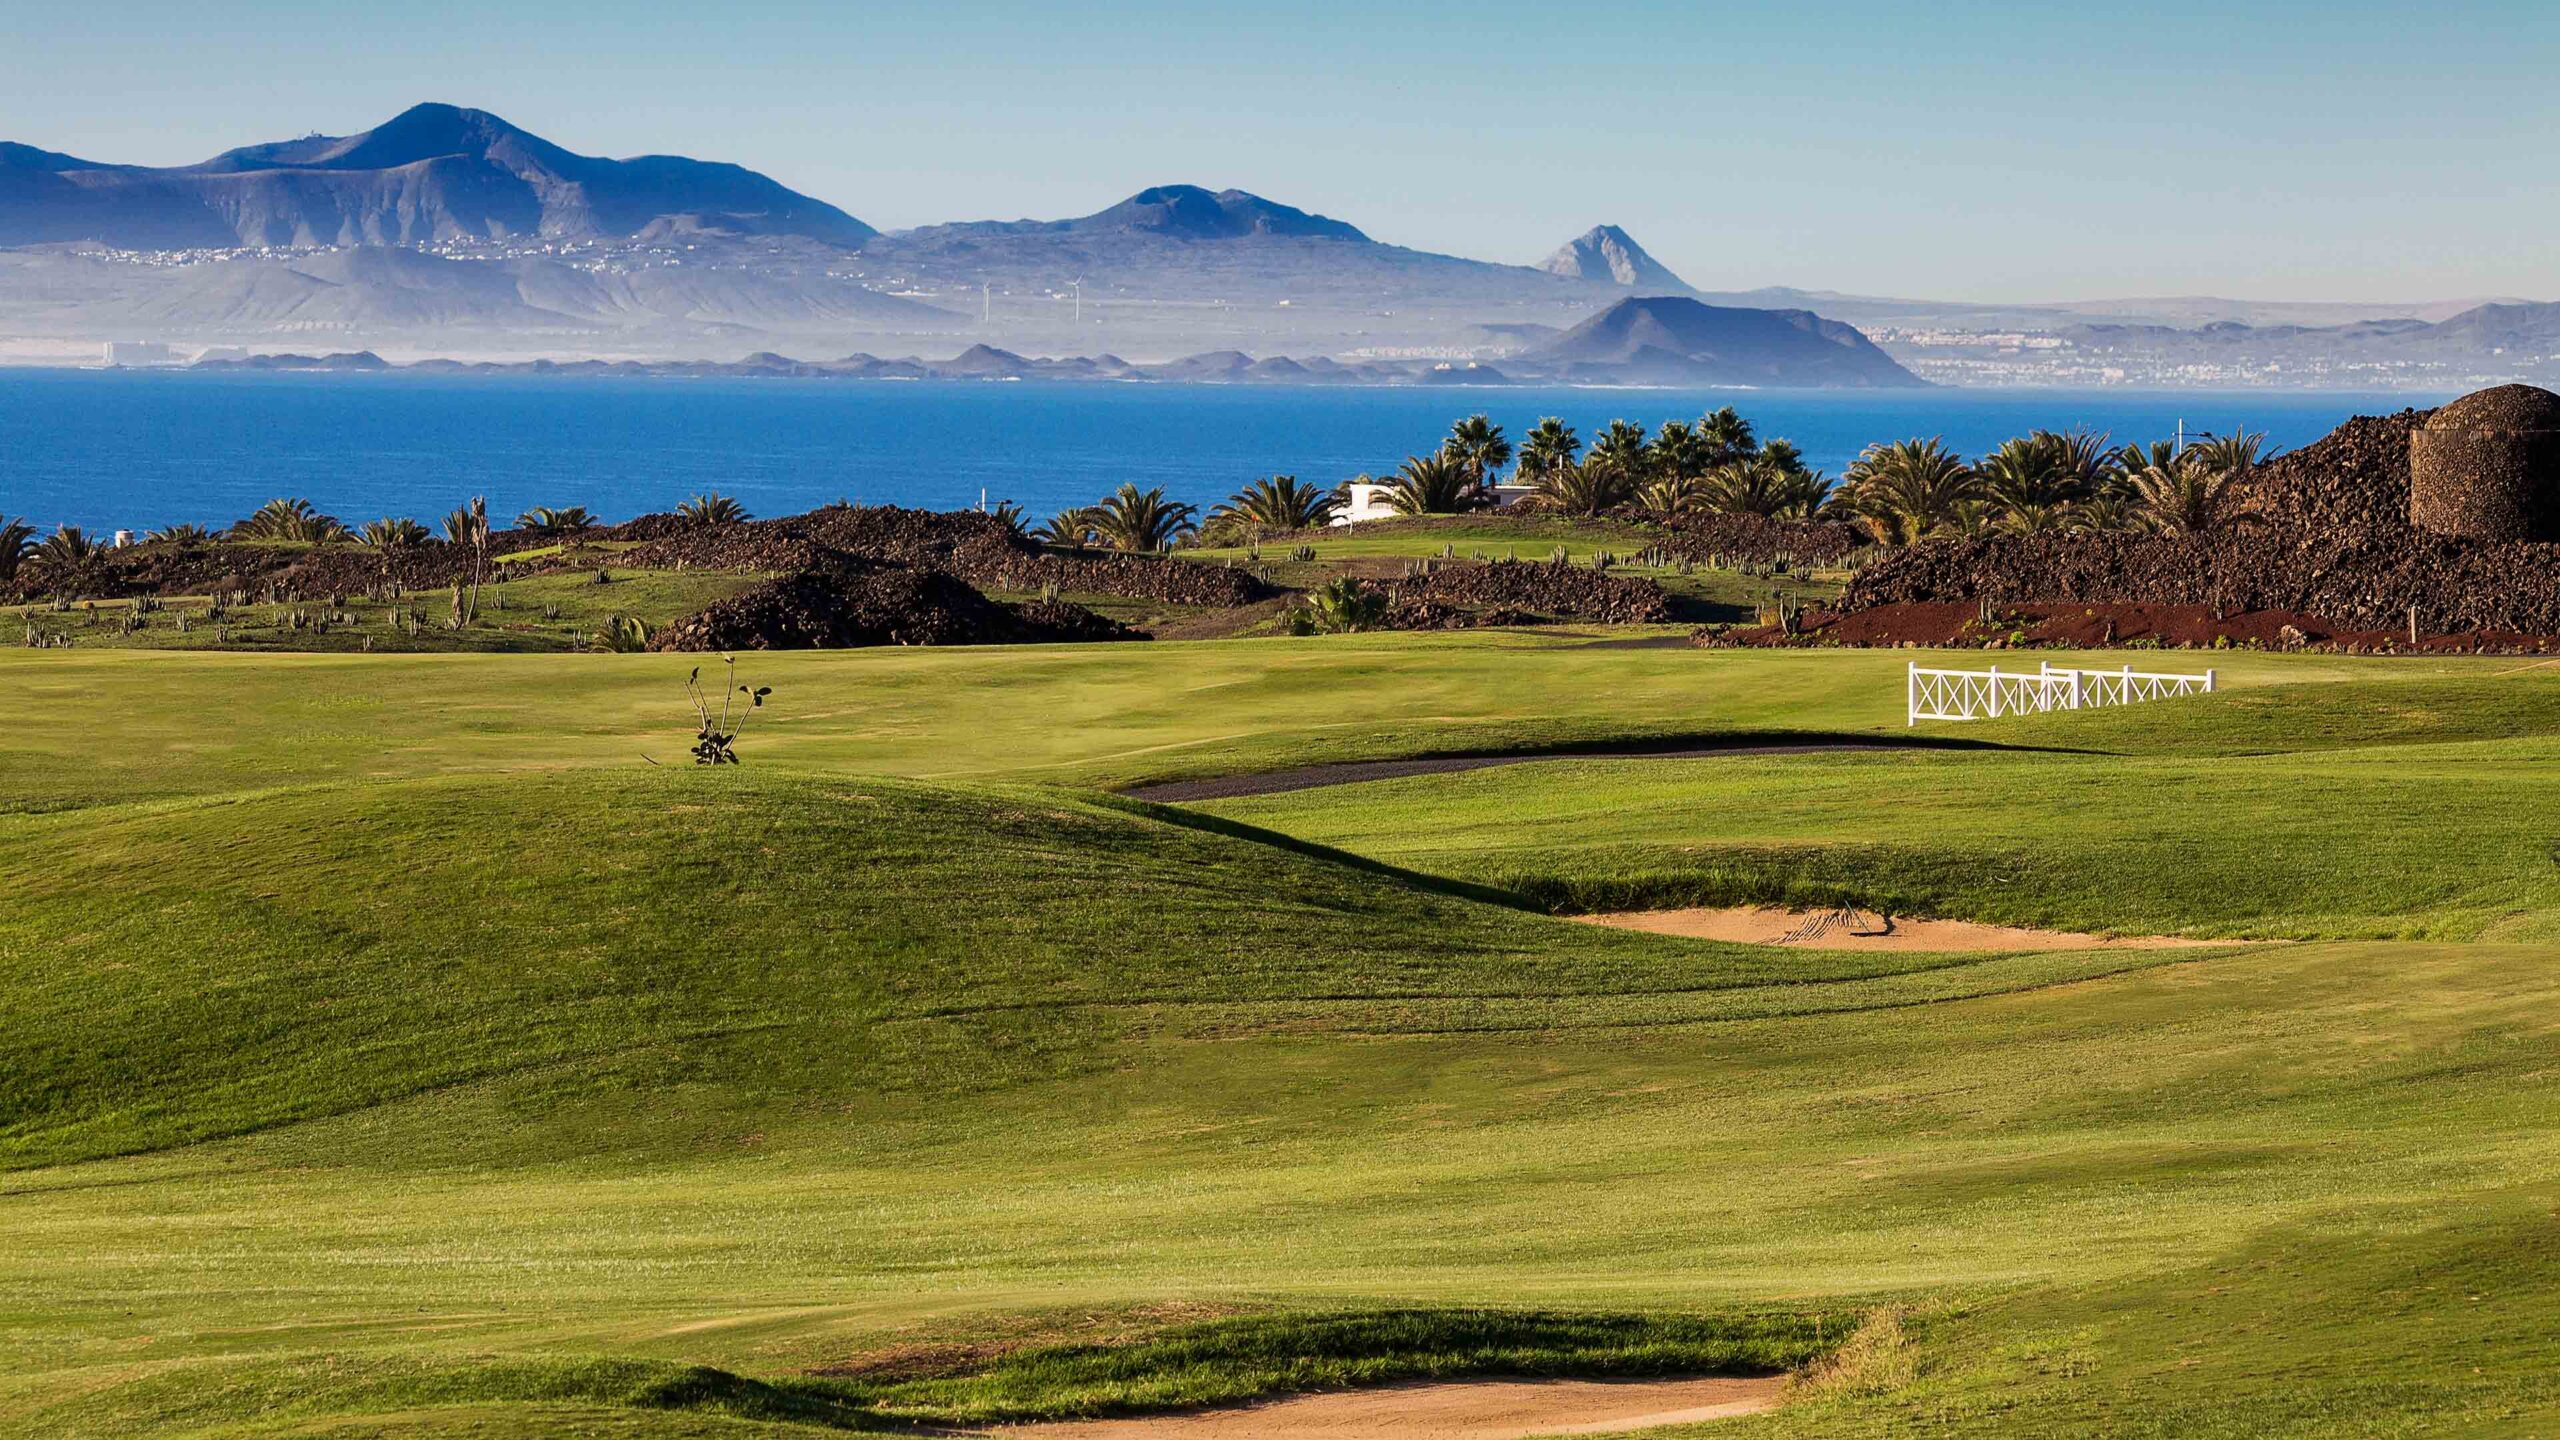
x=140, y=450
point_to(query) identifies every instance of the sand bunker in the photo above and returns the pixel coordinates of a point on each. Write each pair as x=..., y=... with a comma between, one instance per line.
x=1756, y=925
x=1444, y=1410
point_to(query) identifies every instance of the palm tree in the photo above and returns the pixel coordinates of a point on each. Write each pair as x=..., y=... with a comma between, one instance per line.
x=1908, y=488
x=17, y=542
x=1678, y=453
x=178, y=535
x=2111, y=511
x=713, y=508
x=393, y=533
x=1010, y=516
x=1477, y=443
x=1279, y=503
x=2194, y=490
x=2040, y=519
x=1727, y=436
x=1756, y=486
x=1589, y=488
x=1141, y=520
x=67, y=557
x=1548, y=450
x=1677, y=494
x=1073, y=526
x=1805, y=494
x=1624, y=450
x=2036, y=478
x=1437, y=484
x=1970, y=519
x=468, y=525
x=294, y=520
x=1784, y=454
x=2131, y=460
x=543, y=520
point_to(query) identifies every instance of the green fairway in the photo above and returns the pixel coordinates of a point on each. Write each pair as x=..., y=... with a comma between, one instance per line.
x=136, y=726
x=392, y=1052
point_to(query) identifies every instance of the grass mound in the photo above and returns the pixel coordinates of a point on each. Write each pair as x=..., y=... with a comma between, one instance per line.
x=308, y=952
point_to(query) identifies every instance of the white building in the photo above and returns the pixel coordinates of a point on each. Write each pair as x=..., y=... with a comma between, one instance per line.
x=1369, y=500
x=139, y=354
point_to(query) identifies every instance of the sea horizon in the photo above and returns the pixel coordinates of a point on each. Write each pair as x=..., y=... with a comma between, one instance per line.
x=139, y=449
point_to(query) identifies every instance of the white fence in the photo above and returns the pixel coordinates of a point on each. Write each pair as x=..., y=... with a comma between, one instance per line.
x=1989, y=694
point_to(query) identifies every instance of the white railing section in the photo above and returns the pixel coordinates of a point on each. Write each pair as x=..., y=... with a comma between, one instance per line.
x=1990, y=694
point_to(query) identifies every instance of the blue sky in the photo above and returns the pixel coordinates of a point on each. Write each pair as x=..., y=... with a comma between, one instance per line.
x=2349, y=151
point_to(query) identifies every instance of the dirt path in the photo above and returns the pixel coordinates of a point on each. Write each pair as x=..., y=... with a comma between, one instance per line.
x=1352, y=772
x=1444, y=1410
x=1754, y=925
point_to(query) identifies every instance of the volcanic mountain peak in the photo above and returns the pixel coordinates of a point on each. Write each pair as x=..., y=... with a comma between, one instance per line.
x=1675, y=340
x=421, y=132
x=1191, y=212
x=1609, y=255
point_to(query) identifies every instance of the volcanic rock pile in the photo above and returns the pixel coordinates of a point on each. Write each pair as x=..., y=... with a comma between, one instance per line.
x=2324, y=531
x=842, y=602
x=965, y=545
x=1516, y=592
x=1755, y=539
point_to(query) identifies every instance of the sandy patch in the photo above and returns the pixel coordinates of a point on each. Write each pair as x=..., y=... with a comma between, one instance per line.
x=1759, y=925
x=1444, y=1410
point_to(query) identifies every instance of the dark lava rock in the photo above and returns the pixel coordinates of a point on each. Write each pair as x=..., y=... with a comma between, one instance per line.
x=1510, y=592
x=965, y=544
x=1756, y=539
x=2328, y=534
x=845, y=604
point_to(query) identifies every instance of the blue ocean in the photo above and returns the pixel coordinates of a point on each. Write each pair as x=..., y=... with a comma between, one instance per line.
x=110, y=449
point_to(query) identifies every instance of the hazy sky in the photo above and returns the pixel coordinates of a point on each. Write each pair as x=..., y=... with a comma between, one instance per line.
x=2344, y=150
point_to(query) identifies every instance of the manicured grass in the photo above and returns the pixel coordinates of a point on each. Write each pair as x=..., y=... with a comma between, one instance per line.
x=392, y=1053
x=131, y=726
x=2282, y=846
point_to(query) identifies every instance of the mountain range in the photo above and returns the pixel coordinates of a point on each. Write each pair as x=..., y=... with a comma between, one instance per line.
x=450, y=231
x=434, y=173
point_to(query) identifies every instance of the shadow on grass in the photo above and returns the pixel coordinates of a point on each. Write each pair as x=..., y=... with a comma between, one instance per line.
x=1668, y=746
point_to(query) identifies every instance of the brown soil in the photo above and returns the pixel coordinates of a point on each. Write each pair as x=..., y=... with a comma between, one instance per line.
x=1757, y=925
x=1959, y=624
x=1455, y=1410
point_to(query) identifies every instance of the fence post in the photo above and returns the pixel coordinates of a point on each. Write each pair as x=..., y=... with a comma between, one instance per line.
x=1995, y=692
x=1911, y=695
x=2075, y=689
x=2208, y=682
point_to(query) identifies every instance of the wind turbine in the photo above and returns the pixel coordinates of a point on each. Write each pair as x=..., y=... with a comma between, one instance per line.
x=1078, y=282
